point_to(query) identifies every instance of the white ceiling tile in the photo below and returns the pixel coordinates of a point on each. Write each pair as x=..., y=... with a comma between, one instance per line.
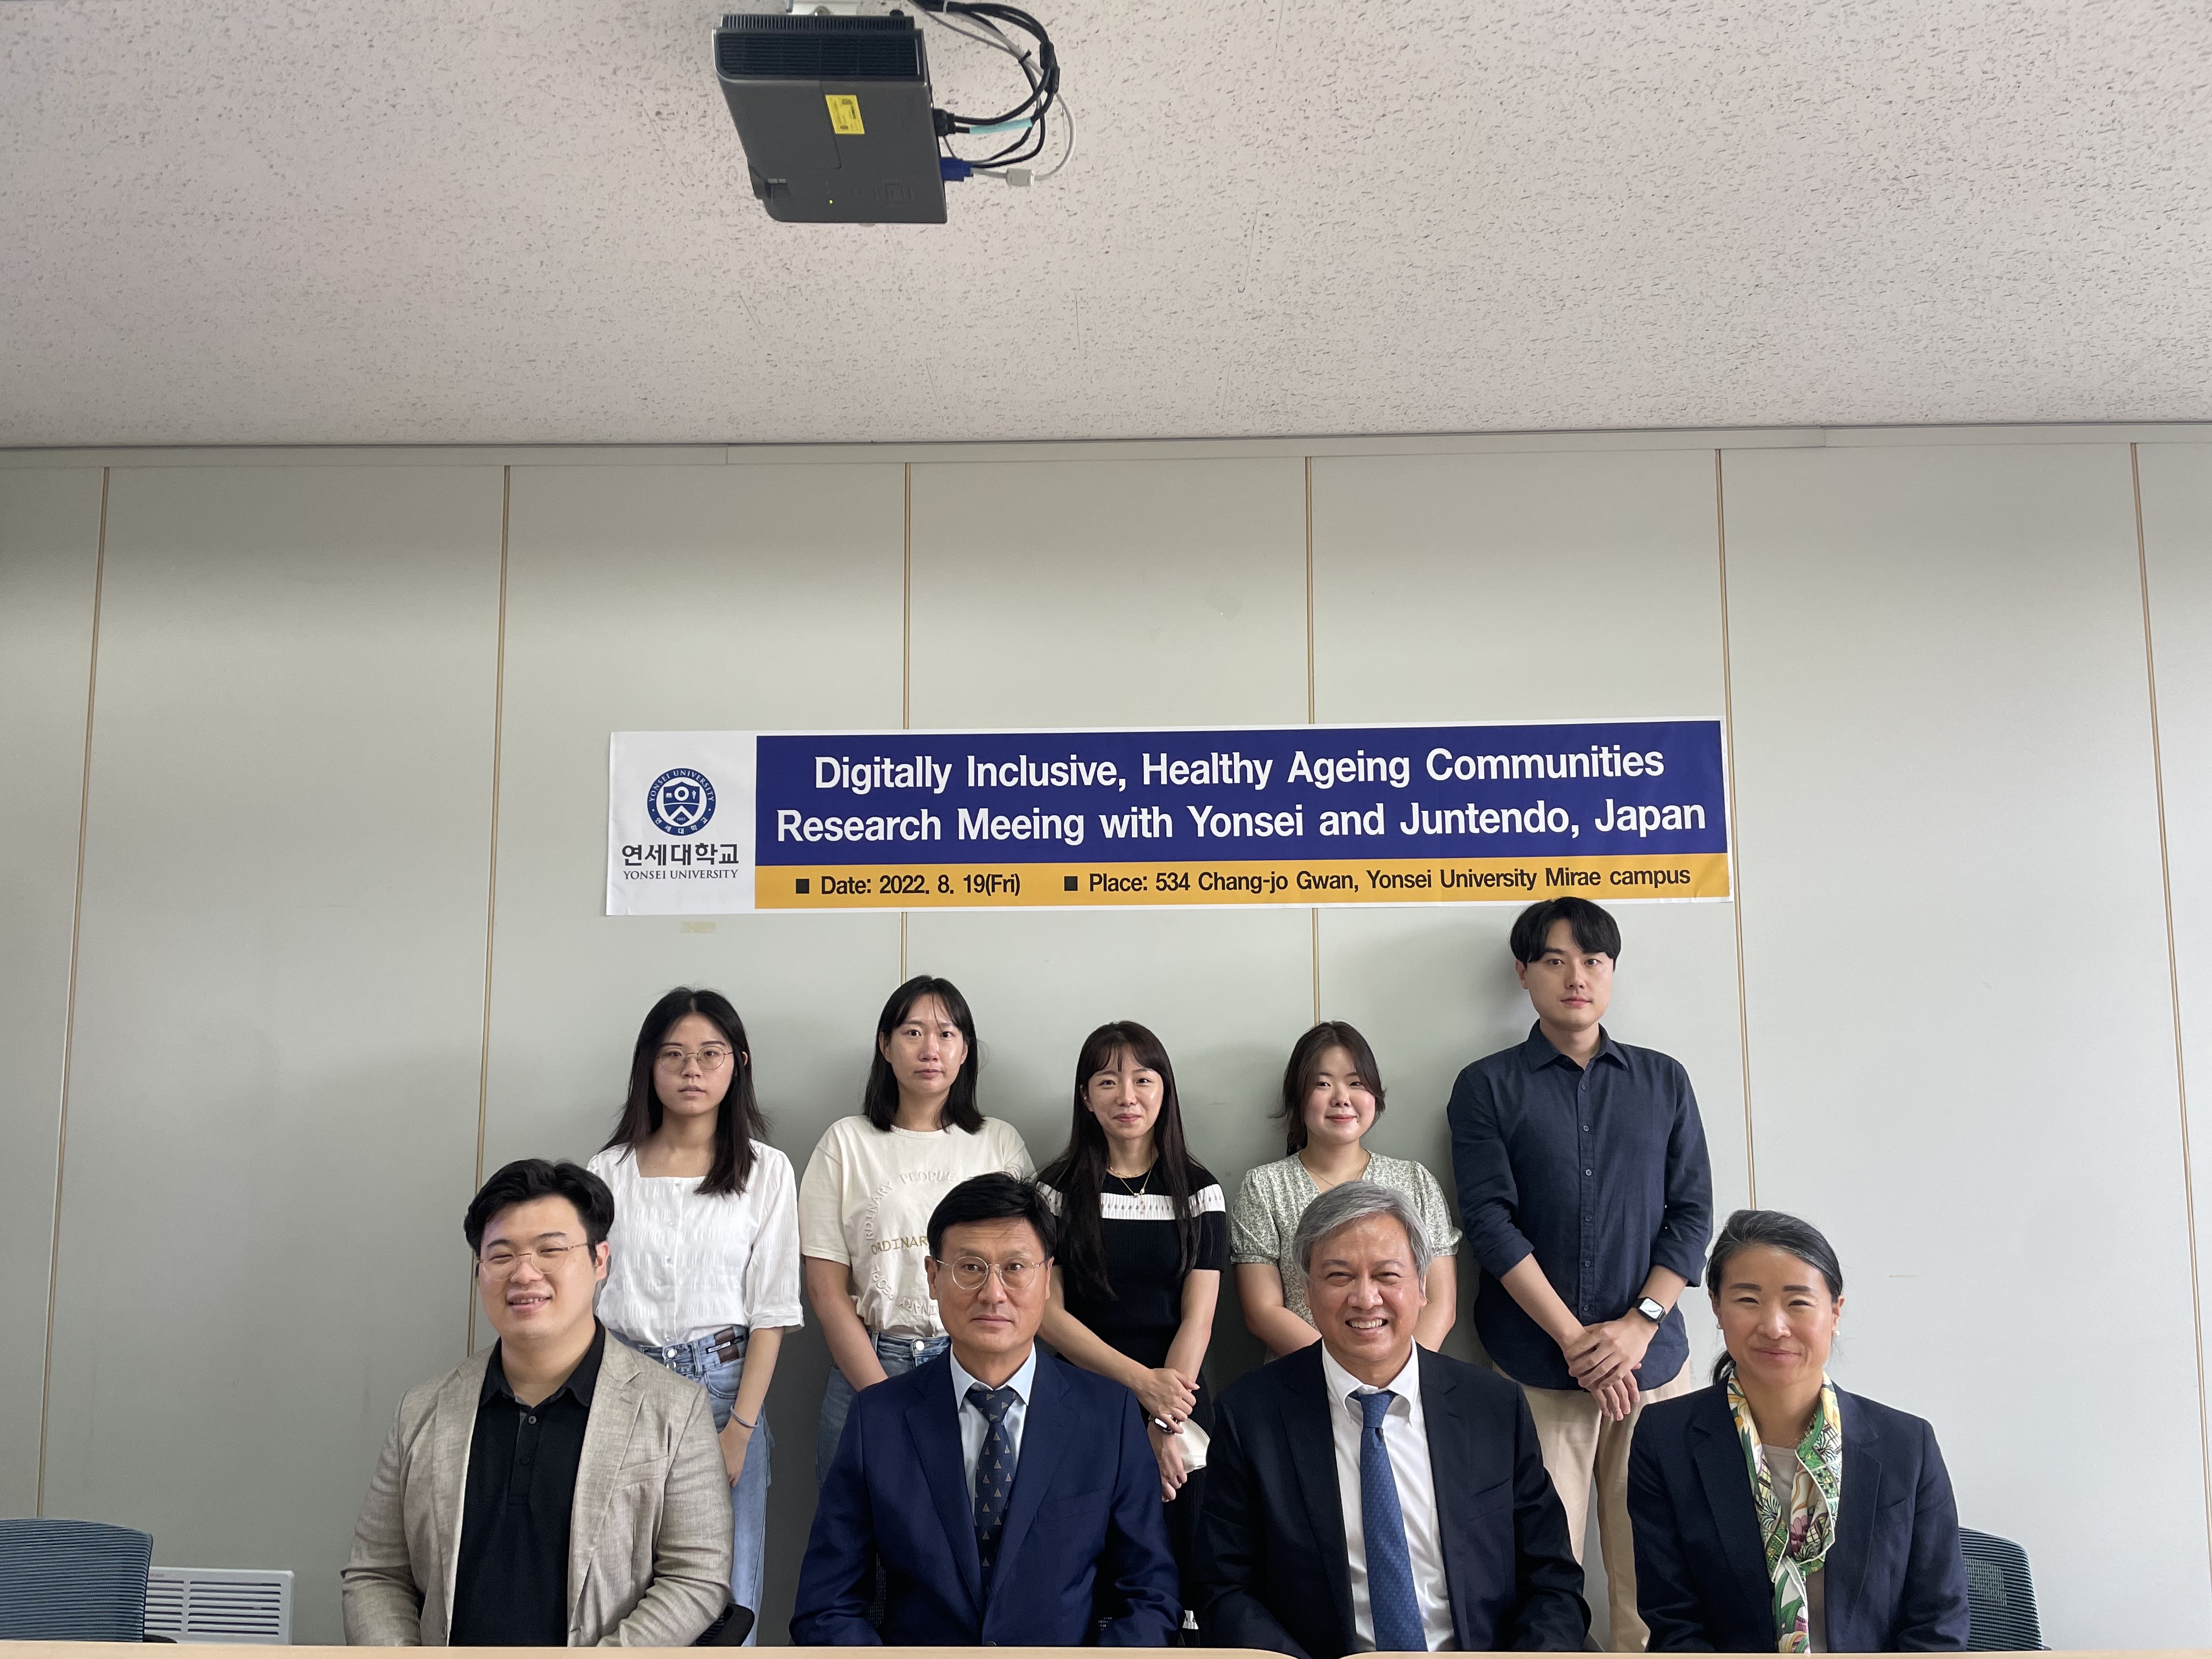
x=483, y=221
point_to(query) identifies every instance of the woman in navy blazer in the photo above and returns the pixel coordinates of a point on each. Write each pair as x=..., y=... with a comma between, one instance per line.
x=1837, y=1548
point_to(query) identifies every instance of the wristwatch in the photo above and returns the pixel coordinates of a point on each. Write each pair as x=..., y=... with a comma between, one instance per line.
x=1652, y=1311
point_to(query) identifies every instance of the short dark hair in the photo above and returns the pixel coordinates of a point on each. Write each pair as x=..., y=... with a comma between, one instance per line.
x=528, y=1178
x=996, y=1197
x=1747, y=1230
x=1305, y=1066
x=879, y=1098
x=1594, y=929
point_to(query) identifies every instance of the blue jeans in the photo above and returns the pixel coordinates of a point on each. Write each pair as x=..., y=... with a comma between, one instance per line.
x=749, y=1497
x=899, y=1354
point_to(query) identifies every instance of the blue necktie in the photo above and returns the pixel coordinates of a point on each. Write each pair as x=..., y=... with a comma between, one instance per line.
x=994, y=1472
x=1390, y=1597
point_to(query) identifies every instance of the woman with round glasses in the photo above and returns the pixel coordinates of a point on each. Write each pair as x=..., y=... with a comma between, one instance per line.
x=703, y=1271
x=1144, y=1238
x=865, y=1203
x=1773, y=1511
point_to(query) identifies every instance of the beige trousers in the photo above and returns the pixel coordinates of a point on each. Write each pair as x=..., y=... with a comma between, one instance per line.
x=1580, y=1446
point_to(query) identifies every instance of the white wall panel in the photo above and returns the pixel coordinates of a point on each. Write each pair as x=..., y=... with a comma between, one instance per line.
x=272, y=1117
x=1564, y=586
x=1109, y=593
x=49, y=553
x=1120, y=593
x=1960, y=1025
x=2176, y=514
x=655, y=598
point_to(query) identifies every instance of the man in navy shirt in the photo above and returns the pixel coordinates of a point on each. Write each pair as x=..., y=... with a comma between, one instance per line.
x=1586, y=1196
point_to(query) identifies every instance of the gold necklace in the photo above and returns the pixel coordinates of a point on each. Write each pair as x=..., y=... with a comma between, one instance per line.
x=1316, y=1180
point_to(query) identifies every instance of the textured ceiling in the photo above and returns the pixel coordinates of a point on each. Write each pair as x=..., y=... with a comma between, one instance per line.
x=475, y=221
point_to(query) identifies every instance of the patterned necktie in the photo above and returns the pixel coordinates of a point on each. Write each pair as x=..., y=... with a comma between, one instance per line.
x=1390, y=1597
x=994, y=1471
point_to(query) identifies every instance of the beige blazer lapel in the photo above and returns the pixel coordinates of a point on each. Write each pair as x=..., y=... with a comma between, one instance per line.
x=452, y=1428
x=617, y=1402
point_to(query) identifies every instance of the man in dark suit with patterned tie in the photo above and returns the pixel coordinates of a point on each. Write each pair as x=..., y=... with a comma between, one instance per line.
x=1366, y=1494
x=1011, y=1498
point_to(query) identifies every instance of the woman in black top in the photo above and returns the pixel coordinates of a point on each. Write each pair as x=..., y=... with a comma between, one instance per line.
x=1144, y=1240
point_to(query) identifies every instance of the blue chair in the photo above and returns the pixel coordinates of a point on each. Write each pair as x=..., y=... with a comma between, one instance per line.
x=73, y=1581
x=2000, y=1595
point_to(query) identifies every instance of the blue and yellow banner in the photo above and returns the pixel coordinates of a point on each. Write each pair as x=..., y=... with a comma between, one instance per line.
x=702, y=823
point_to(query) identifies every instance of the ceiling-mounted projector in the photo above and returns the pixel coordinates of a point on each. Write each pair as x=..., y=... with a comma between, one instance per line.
x=835, y=115
x=834, y=109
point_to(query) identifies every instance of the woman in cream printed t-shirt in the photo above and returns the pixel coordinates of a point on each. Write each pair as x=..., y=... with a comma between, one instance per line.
x=865, y=1203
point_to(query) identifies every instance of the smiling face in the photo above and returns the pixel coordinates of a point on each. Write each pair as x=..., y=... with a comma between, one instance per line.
x=692, y=1071
x=1340, y=1107
x=1364, y=1296
x=925, y=1051
x=1569, y=987
x=535, y=1272
x=990, y=1289
x=1776, y=1317
x=1125, y=1097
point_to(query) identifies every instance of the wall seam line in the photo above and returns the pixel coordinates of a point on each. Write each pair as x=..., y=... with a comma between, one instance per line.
x=2173, y=986
x=491, y=865
x=69, y=1008
x=1735, y=833
x=1310, y=709
x=906, y=654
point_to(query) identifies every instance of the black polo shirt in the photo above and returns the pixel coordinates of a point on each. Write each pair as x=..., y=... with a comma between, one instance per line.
x=512, y=1588
x=1601, y=1174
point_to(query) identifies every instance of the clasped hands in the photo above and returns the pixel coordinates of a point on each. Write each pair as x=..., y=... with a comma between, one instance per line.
x=1167, y=1396
x=1603, y=1358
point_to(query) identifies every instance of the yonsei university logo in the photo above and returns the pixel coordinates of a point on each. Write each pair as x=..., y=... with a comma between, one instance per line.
x=681, y=801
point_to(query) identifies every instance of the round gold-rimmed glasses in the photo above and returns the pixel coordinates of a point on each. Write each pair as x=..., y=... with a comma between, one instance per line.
x=499, y=1261
x=969, y=1273
x=712, y=1057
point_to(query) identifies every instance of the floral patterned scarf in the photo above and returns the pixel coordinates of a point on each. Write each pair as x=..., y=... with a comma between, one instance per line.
x=1799, y=1525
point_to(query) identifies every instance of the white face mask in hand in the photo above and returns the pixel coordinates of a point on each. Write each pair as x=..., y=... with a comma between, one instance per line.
x=1195, y=1441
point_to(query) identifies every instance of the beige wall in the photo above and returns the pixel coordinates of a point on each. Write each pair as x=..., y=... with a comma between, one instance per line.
x=340, y=944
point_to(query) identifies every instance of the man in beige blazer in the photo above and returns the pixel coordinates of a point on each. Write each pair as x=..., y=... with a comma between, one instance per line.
x=558, y=1489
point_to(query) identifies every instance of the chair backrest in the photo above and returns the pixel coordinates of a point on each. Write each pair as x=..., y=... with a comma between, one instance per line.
x=729, y=1630
x=2000, y=1595
x=73, y=1581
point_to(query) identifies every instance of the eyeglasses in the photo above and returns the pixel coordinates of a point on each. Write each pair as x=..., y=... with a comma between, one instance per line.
x=970, y=1272
x=711, y=1058
x=499, y=1262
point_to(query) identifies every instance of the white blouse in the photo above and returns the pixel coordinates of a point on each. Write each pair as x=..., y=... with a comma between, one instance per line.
x=682, y=1267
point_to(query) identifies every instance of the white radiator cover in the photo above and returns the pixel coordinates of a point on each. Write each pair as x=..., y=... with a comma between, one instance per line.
x=219, y=1604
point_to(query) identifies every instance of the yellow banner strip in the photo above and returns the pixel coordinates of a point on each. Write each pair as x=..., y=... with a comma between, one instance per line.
x=890, y=886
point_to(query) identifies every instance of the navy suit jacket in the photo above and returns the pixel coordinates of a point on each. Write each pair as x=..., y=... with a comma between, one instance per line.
x=1272, y=1567
x=1086, y=1536
x=1894, y=1580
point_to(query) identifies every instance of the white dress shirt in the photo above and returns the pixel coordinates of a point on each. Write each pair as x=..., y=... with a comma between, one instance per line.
x=1405, y=1437
x=681, y=1267
x=973, y=1425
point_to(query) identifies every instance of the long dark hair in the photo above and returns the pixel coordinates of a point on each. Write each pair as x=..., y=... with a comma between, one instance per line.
x=879, y=1098
x=1079, y=1172
x=1749, y=1229
x=738, y=1121
x=1305, y=1066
